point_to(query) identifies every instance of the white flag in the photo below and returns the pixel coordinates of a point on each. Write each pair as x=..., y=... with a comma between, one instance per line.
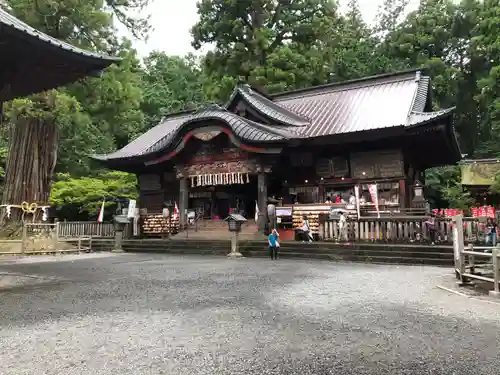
x=256, y=211
x=100, y=218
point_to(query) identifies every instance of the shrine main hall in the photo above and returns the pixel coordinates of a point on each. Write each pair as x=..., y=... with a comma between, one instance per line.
x=302, y=147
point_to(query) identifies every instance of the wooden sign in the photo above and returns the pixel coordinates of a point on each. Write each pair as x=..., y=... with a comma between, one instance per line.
x=244, y=166
x=227, y=155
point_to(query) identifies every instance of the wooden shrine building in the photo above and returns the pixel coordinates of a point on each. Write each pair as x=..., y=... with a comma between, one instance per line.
x=300, y=146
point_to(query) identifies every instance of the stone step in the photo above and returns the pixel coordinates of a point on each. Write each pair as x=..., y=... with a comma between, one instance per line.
x=398, y=254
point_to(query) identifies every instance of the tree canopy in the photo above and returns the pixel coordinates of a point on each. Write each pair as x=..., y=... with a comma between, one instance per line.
x=274, y=45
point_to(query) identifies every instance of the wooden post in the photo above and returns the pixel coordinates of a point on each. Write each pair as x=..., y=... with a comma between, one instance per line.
x=496, y=271
x=262, y=200
x=458, y=245
x=56, y=235
x=24, y=238
x=183, y=201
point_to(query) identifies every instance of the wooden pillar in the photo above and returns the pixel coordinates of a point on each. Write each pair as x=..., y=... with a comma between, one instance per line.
x=262, y=200
x=183, y=200
x=403, y=194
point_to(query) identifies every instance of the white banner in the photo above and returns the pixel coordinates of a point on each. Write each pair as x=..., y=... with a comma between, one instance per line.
x=356, y=194
x=131, y=208
x=374, y=195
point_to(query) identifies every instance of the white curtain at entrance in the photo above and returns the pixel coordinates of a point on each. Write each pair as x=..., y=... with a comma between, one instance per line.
x=219, y=179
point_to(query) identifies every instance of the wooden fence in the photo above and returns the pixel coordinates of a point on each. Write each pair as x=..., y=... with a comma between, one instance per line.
x=403, y=229
x=475, y=264
x=74, y=229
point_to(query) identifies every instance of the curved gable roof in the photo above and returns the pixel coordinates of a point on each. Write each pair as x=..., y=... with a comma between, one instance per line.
x=266, y=107
x=164, y=134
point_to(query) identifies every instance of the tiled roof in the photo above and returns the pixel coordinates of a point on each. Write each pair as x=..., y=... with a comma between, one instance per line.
x=396, y=100
x=161, y=135
x=357, y=106
x=268, y=108
x=7, y=20
x=419, y=118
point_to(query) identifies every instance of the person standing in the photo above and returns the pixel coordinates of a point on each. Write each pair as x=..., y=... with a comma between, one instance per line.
x=342, y=227
x=271, y=213
x=432, y=228
x=306, y=231
x=352, y=199
x=491, y=232
x=273, y=244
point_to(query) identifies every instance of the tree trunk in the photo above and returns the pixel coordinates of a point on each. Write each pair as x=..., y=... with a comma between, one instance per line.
x=31, y=163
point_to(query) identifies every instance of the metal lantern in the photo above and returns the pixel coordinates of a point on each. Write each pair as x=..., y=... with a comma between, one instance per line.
x=119, y=222
x=418, y=189
x=234, y=222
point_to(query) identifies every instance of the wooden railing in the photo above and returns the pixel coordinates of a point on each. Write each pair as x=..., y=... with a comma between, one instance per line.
x=403, y=229
x=74, y=229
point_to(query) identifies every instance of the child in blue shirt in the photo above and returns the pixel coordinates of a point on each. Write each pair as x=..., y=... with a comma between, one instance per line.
x=273, y=244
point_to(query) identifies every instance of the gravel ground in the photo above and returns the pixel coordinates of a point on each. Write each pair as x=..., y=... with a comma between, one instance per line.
x=157, y=314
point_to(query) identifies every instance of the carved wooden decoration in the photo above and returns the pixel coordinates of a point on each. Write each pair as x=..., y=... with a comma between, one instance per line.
x=207, y=136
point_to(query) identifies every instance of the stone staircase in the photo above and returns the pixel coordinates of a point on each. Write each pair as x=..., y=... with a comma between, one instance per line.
x=361, y=252
x=218, y=230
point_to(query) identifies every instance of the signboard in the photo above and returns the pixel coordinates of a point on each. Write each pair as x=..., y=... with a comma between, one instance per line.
x=131, y=208
x=213, y=155
x=479, y=174
x=283, y=211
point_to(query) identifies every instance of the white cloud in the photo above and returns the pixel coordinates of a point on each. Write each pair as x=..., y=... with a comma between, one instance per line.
x=173, y=19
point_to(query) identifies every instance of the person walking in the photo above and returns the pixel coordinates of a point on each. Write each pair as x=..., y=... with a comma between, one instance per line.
x=273, y=244
x=432, y=228
x=491, y=232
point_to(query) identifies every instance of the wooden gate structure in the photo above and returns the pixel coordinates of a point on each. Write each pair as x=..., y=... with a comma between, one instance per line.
x=475, y=263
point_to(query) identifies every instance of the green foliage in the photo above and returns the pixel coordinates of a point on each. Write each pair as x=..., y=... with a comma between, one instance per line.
x=86, y=193
x=170, y=84
x=446, y=181
x=269, y=44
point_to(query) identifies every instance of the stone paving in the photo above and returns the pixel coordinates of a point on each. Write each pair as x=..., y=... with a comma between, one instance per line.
x=157, y=314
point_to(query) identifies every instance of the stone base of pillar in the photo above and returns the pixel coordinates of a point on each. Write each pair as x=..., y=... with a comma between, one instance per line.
x=494, y=294
x=235, y=255
x=117, y=251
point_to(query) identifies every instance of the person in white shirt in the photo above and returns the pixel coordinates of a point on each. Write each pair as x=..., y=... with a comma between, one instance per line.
x=306, y=233
x=352, y=199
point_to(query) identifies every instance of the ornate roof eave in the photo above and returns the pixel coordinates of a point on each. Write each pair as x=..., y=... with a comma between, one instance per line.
x=266, y=107
x=22, y=29
x=243, y=129
x=416, y=119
